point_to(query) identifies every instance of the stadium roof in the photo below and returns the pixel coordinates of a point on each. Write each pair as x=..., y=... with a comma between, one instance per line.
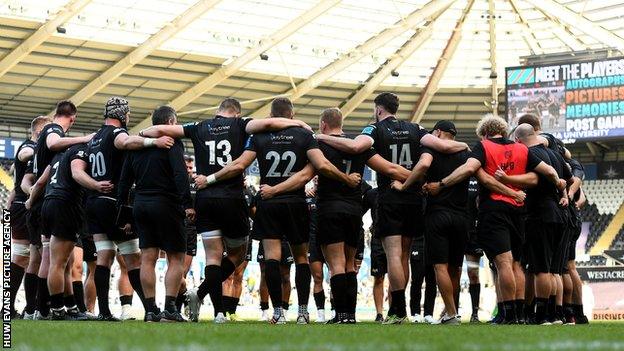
x=192, y=53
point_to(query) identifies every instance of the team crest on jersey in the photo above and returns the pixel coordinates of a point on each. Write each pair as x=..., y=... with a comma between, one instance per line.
x=81, y=153
x=508, y=154
x=368, y=130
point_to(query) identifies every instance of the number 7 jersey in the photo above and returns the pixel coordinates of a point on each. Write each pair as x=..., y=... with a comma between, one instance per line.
x=397, y=142
x=217, y=142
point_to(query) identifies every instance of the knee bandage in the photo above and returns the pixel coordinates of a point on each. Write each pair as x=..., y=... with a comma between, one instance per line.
x=128, y=247
x=105, y=245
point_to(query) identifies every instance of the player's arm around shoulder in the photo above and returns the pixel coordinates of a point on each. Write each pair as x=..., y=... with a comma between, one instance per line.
x=255, y=126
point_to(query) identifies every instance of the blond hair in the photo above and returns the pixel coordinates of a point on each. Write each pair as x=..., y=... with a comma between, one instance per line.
x=491, y=125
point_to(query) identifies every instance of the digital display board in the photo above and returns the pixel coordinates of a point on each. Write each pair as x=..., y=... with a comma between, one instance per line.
x=575, y=101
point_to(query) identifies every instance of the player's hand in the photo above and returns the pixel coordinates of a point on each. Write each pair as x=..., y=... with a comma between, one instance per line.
x=200, y=181
x=500, y=175
x=87, y=138
x=354, y=180
x=561, y=185
x=104, y=186
x=396, y=185
x=267, y=191
x=28, y=204
x=467, y=146
x=564, y=202
x=190, y=214
x=310, y=192
x=303, y=124
x=519, y=196
x=164, y=142
x=432, y=189
x=127, y=229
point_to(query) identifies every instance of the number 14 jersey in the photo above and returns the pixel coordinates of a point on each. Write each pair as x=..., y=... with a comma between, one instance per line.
x=217, y=142
x=397, y=142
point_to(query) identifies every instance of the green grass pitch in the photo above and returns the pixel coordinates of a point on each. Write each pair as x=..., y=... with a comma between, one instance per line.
x=243, y=336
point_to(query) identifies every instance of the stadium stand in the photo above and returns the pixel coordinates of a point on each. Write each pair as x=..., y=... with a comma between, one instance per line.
x=605, y=213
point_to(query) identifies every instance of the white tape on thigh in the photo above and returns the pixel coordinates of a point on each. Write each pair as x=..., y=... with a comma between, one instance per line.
x=105, y=245
x=128, y=247
x=20, y=249
x=472, y=265
x=45, y=244
x=213, y=234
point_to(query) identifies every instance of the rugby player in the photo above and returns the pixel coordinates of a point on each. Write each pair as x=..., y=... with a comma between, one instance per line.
x=105, y=158
x=280, y=155
x=162, y=199
x=222, y=216
x=62, y=219
x=316, y=257
x=446, y=223
x=51, y=140
x=421, y=272
x=473, y=252
x=191, y=235
x=399, y=213
x=500, y=230
x=25, y=258
x=545, y=224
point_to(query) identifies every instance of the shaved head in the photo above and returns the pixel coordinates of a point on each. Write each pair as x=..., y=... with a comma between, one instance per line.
x=525, y=132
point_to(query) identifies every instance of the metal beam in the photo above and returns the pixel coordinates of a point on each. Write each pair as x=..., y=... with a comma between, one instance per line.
x=529, y=35
x=428, y=11
x=432, y=85
x=397, y=59
x=231, y=68
x=493, y=66
x=579, y=22
x=42, y=34
x=143, y=50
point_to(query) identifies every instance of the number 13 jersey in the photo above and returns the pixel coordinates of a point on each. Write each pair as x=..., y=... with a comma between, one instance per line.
x=217, y=142
x=397, y=142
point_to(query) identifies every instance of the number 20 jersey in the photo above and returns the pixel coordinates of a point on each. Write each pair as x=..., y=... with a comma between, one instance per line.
x=217, y=142
x=104, y=159
x=397, y=142
x=280, y=155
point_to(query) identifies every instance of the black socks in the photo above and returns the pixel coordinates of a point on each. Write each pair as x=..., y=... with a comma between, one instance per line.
x=398, y=303
x=134, y=276
x=338, y=287
x=30, y=291
x=303, y=277
x=79, y=295
x=17, y=273
x=319, y=299
x=43, y=296
x=351, y=292
x=102, y=285
x=273, y=281
x=475, y=296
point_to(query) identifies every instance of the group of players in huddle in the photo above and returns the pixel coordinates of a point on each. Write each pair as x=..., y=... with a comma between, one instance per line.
x=133, y=195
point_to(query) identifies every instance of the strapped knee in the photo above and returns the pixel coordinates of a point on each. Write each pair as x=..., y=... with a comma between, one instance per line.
x=20, y=249
x=129, y=247
x=104, y=245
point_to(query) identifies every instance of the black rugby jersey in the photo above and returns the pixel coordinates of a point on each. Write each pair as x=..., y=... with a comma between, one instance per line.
x=280, y=155
x=43, y=155
x=334, y=195
x=453, y=197
x=104, y=159
x=398, y=142
x=542, y=200
x=61, y=184
x=217, y=142
x=157, y=173
x=20, y=170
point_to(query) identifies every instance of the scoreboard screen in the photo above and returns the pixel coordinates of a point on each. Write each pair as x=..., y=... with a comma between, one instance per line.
x=576, y=101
